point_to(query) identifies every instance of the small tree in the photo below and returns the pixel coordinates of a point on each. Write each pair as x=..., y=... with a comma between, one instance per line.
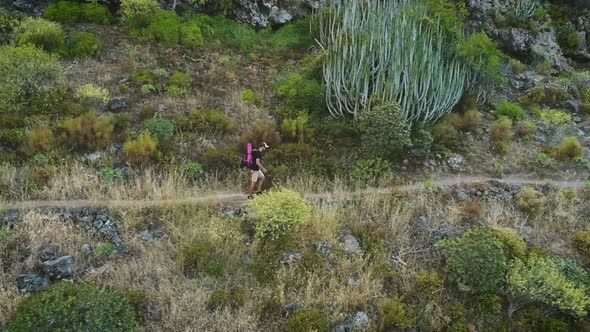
x=539, y=279
x=278, y=213
x=385, y=132
x=476, y=262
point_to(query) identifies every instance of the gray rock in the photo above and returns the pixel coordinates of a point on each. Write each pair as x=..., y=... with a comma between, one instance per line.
x=118, y=105
x=11, y=216
x=577, y=118
x=526, y=80
x=162, y=108
x=279, y=16
x=514, y=40
x=290, y=258
x=87, y=249
x=456, y=163
x=31, y=283
x=352, y=282
x=546, y=48
x=342, y=328
x=351, y=244
x=290, y=308
x=93, y=157
x=572, y=105
x=360, y=320
x=147, y=236
x=419, y=225
x=59, y=268
x=48, y=253
x=324, y=247
x=461, y=196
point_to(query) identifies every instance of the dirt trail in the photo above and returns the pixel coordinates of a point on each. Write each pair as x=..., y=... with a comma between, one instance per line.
x=237, y=198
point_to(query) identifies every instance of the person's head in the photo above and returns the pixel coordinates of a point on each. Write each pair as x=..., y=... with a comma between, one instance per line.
x=263, y=146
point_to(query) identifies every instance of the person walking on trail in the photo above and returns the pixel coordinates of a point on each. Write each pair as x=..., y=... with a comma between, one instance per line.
x=257, y=170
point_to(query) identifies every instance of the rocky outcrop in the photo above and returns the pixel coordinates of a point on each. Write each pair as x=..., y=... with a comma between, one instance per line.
x=31, y=283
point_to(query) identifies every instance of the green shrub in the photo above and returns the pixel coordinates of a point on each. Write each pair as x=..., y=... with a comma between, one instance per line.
x=302, y=94
x=555, y=118
x=42, y=33
x=393, y=315
x=207, y=122
x=141, y=151
x=200, y=256
x=278, y=213
x=540, y=279
x=148, y=88
x=190, y=35
x=221, y=30
x=543, y=160
x=371, y=171
x=106, y=250
x=251, y=97
x=131, y=8
x=514, y=246
x=475, y=261
x=164, y=28
x=143, y=76
x=501, y=130
x=531, y=202
x=517, y=66
x=68, y=12
x=91, y=95
x=85, y=45
x=384, y=131
x=297, y=129
x=111, y=176
x=290, y=37
x=445, y=133
x=75, y=307
x=307, y=320
x=482, y=55
x=25, y=71
x=570, y=148
x=469, y=121
x=41, y=159
x=160, y=129
x=174, y=91
x=180, y=79
x=509, y=110
x=536, y=319
x=220, y=162
x=193, y=170
x=88, y=132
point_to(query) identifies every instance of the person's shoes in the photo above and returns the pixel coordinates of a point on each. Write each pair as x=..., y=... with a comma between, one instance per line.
x=250, y=197
x=258, y=193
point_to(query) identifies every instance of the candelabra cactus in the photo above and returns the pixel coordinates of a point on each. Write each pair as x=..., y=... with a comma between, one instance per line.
x=390, y=50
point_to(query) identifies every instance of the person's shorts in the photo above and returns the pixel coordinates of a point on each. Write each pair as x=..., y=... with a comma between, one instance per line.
x=256, y=176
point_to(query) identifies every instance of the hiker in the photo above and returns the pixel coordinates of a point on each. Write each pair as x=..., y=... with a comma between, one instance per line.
x=257, y=171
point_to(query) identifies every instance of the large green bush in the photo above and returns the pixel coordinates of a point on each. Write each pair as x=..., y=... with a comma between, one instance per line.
x=42, y=33
x=25, y=71
x=384, y=131
x=278, y=213
x=476, y=261
x=88, y=131
x=301, y=93
x=161, y=129
x=69, y=12
x=539, y=279
x=510, y=110
x=483, y=56
x=131, y=8
x=75, y=307
x=206, y=122
x=85, y=45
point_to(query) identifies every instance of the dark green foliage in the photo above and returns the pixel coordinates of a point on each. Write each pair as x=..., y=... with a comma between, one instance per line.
x=180, y=79
x=193, y=170
x=291, y=37
x=200, y=256
x=218, y=29
x=450, y=14
x=536, y=320
x=220, y=162
x=303, y=94
x=75, y=307
x=509, y=110
x=307, y=320
x=7, y=24
x=475, y=261
x=111, y=176
x=205, y=122
x=582, y=243
x=85, y=45
x=49, y=101
x=143, y=76
x=166, y=28
x=160, y=129
x=69, y=12
x=514, y=246
x=385, y=133
x=370, y=171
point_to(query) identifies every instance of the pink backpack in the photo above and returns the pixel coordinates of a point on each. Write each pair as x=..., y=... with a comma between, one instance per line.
x=247, y=157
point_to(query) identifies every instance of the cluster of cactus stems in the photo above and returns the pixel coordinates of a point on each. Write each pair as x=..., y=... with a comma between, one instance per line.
x=390, y=50
x=521, y=8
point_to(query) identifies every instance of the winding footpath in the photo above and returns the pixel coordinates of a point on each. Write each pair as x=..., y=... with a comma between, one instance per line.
x=237, y=198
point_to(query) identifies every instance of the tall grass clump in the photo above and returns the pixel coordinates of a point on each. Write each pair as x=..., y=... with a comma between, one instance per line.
x=42, y=33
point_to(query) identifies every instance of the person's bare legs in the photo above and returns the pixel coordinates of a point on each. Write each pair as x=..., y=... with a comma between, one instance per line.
x=260, y=182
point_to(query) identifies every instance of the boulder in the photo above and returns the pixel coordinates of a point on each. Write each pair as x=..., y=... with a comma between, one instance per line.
x=545, y=48
x=118, y=105
x=514, y=40
x=455, y=163
x=461, y=196
x=360, y=320
x=59, y=268
x=49, y=253
x=11, y=216
x=290, y=258
x=31, y=283
x=350, y=244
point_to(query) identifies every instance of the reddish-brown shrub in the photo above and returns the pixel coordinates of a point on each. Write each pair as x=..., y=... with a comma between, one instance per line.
x=89, y=132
